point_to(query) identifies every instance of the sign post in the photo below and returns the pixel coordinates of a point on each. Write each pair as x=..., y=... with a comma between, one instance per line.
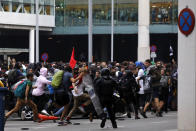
x=44, y=57
x=153, y=50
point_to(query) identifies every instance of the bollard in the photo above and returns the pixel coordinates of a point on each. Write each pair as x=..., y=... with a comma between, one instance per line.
x=3, y=92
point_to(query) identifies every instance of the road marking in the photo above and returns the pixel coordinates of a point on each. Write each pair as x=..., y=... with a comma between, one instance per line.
x=160, y=122
x=172, y=130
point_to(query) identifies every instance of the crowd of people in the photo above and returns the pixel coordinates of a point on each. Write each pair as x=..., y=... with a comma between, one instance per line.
x=56, y=89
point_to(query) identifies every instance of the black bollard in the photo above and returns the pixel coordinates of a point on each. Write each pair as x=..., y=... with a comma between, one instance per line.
x=3, y=92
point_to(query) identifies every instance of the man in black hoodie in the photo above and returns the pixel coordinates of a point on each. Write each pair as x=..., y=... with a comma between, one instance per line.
x=105, y=87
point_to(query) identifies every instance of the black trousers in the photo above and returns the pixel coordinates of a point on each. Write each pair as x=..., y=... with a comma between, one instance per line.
x=40, y=101
x=130, y=100
x=110, y=109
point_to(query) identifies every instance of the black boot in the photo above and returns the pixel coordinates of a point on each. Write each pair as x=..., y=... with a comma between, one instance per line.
x=143, y=114
x=114, y=125
x=129, y=115
x=102, y=125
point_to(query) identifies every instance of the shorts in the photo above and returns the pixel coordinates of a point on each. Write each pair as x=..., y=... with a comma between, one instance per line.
x=156, y=92
x=62, y=98
x=148, y=97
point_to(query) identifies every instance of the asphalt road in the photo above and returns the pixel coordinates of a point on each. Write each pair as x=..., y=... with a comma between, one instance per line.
x=166, y=123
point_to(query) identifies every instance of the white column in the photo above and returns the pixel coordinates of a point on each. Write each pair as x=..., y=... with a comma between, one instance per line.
x=187, y=75
x=90, y=31
x=32, y=46
x=143, y=30
x=112, y=31
x=37, y=31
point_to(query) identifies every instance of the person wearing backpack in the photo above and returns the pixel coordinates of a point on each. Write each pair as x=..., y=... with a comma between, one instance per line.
x=155, y=74
x=147, y=87
x=38, y=93
x=22, y=94
x=164, y=91
x=62, y=97
x=105, y=87
x=15, y=75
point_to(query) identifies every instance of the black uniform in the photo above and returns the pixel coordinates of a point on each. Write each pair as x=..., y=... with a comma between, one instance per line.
x=128, y=89
x=105, y=88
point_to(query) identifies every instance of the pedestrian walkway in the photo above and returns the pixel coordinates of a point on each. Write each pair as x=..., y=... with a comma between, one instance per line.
x=166, y=123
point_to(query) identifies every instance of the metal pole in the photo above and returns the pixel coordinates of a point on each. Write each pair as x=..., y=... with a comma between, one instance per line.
x=90, y=36
x=112, y=32
x=37, y=30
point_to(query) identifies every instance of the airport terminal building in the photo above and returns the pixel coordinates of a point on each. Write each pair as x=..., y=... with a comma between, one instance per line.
x=64, y=24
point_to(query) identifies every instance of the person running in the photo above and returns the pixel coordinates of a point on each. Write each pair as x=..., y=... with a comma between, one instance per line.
x=105, y=90
x=24, y=99
x=79, y=95
x=39, y=96
x=62, y=97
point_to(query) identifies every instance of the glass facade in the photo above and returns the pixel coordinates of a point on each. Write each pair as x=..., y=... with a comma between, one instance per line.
x=72, y=15
x=164, y=11
x=75, y=12
x=46, y=7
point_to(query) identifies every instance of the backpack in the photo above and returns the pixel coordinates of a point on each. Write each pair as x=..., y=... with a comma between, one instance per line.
x=57, y=79
x=164, y=81
x=147, y=81
x=20, y=90
x=15, y=86
x=12, y=77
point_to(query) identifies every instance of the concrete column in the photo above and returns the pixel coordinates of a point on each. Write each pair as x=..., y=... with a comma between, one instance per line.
x=187, y=75
x=143, y=30
x=32, y=46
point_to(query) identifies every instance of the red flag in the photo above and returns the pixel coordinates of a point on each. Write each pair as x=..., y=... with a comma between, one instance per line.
x=72, y=62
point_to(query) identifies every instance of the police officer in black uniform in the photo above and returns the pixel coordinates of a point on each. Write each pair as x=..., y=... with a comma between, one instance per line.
x=105, y=87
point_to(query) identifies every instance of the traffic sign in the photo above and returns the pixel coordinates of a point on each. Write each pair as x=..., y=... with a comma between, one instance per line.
x=186, y=21
x=153, y=48
x=44, y=57
x=153, y=55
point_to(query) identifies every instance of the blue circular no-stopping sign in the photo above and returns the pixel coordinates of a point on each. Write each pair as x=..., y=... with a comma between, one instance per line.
x=44, y=56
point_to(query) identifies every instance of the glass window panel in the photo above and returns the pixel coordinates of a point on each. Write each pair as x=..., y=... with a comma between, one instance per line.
x=126, y=12
x=75, y=12
x=102, y=12
x=164, y=11
x=5, y=6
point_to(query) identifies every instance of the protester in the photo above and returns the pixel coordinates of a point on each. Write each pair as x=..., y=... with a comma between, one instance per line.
x=39, y=95
x=141, y=87
x=23, y=98
x=105, y=88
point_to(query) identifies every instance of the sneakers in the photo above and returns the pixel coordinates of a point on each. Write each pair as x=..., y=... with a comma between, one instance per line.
x=102, y=125
x=44, y=112
x=81, y=109
x=22, y=115
x=137, y=117
x=159, y=114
